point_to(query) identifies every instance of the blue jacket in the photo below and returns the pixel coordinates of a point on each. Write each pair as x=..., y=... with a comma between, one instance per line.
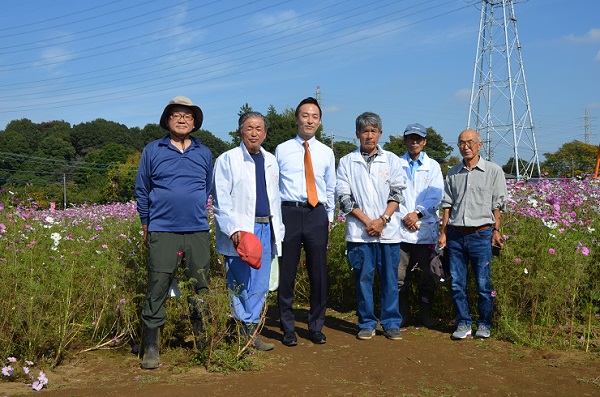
x=172, y=188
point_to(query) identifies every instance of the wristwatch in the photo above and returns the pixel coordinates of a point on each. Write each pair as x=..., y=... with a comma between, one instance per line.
x=386, y=218
x=419, y=214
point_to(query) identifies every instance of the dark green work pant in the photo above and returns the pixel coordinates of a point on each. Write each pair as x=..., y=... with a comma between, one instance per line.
x=166, y=252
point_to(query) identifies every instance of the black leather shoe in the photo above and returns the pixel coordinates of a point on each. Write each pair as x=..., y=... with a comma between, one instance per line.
x=289, y=339
x=318, y=338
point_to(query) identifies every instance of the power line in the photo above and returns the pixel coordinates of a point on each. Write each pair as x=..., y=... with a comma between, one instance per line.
x=57, y=162
x=220, y=70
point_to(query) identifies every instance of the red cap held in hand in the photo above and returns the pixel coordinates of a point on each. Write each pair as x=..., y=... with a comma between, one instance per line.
x=250, y=249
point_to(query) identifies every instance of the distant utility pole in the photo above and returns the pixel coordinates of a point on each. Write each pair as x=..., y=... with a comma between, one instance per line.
x=318, y=98
x=499, y=108
x=587, y=126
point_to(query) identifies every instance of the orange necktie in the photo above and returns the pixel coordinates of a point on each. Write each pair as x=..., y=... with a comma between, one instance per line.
x=309, y=174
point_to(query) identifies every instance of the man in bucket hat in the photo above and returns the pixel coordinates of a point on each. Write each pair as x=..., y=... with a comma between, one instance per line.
x=172, y=186
x=249, y=227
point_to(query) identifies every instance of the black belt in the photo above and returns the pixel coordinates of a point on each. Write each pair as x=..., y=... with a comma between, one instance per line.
x=303, y=204
x=469, y=229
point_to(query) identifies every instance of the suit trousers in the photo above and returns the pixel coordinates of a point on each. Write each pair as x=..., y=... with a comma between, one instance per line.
x=309, y=228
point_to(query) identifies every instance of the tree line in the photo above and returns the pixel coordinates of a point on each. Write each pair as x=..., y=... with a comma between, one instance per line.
x=96, y=161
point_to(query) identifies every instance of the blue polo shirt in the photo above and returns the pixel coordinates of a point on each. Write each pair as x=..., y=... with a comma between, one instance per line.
x=172, y=188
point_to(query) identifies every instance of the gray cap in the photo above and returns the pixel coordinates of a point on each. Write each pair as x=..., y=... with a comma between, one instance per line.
x=416, y=128
x=182, y=101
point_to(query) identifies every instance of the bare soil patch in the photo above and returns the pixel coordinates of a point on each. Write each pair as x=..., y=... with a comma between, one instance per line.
x=424, y=363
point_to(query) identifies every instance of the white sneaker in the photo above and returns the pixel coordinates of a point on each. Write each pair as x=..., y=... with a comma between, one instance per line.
x=483, y=331
x=462, y=332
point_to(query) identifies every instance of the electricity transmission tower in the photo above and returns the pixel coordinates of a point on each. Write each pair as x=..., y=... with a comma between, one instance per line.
x=499, y=109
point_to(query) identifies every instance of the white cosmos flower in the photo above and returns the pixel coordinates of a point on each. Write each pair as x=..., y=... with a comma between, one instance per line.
x=525, y=271
x=56, y=237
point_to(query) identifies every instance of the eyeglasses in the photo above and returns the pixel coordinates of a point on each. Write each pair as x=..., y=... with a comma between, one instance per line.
x=178, y=116
x=470, y=143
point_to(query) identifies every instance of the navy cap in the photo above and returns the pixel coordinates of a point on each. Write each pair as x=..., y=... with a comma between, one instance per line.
x=416, y=128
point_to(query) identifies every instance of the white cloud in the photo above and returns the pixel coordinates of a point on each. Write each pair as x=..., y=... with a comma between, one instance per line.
x=597, y=57
x=331, y=109
x=593, y=105
x=591, y=36
x=282, y=21
x=52, y=57
x=464, y=94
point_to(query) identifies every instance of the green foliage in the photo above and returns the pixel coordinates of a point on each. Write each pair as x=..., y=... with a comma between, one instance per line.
x=94, y=135
x=75, y=281
x=215, y=145
x=53, y=163
x=571, y=159
x=342, y=294
x=451, y=162
x=28, y=130
x=121, y=180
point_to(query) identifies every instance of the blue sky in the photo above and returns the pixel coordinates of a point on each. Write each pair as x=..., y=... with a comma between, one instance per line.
x=410, y=61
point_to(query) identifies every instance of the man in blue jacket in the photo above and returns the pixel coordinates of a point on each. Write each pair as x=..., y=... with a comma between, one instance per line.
x=419, y=226
x=171, y=189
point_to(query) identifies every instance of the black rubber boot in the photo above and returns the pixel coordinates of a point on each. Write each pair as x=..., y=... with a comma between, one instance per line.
x=151, y=351
x=258, y=343
x=197, y=314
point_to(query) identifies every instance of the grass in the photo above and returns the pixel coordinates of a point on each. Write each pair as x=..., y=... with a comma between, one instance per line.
x=74, y=280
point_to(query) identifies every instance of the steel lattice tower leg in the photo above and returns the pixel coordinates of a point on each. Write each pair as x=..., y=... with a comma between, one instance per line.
x=499, y=109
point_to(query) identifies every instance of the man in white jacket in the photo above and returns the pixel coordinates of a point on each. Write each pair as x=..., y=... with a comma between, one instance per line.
x=419, y=227
x=369, y=187
x=246, y=198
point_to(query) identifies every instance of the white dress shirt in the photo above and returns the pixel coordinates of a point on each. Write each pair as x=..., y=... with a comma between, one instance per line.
x=292, y=182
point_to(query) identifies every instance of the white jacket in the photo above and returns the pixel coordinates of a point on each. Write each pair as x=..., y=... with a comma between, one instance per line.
x=234, y=198
x=424, y=193
x=370, y=191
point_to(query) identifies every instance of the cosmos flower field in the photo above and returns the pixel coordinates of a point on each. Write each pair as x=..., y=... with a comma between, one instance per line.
x=73, y=279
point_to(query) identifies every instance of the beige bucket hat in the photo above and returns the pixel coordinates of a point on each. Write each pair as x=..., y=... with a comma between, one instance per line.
x=182, y=101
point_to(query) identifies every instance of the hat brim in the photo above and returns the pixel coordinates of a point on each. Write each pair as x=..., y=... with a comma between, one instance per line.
x=196, y=111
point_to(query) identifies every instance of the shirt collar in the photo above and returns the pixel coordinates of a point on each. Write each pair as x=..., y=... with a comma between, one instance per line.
x=301, y=141
x=419, y=160
x=480, y=164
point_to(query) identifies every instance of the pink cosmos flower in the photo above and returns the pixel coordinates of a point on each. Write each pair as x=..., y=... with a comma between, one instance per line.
x=493, y=294
x=585, y=251
x=518, y=260
x=551, y=251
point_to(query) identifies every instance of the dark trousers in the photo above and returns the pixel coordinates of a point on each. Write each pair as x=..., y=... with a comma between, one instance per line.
x=414, y=265
x=309, y=228
x=166, y=253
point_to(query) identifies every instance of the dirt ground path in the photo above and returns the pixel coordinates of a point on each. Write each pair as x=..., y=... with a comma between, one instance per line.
x=424, y=363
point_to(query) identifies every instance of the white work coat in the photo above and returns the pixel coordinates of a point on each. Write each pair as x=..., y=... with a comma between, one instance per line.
x=424, y=193
x=370, y=191
x=234, y=198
